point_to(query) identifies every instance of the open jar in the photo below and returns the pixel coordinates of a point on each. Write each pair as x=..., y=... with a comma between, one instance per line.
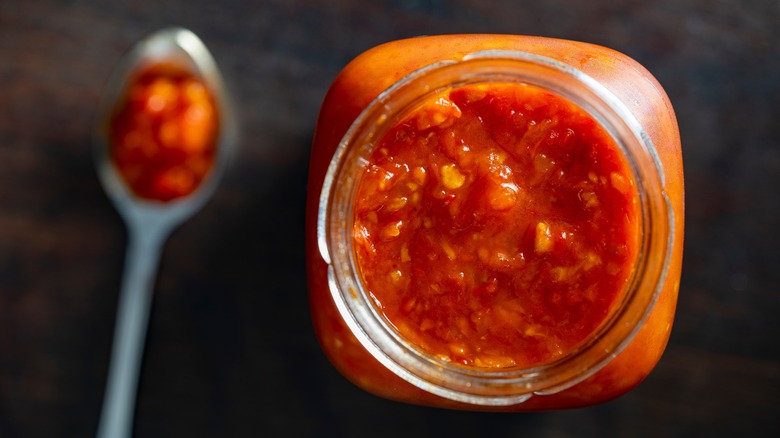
x=494, y=222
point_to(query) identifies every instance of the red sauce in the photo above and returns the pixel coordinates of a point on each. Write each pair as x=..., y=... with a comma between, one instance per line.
x=496, y=226
x=164, y=134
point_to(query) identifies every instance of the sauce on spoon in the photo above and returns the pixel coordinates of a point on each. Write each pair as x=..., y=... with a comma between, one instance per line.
x=163, y=133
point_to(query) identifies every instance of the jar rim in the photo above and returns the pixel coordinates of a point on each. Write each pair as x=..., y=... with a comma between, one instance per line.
x=482, y=385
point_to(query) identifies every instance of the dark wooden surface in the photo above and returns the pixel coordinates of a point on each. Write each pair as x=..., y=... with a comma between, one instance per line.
x=231, y=350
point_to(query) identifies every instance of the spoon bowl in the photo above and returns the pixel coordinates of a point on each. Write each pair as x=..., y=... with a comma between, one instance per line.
x=184, y=49
x=149, y=221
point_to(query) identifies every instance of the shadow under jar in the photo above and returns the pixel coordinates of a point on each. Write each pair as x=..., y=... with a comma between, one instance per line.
x=494, y=222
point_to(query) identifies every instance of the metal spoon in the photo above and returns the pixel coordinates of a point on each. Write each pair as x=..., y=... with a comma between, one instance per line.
x=149, y=222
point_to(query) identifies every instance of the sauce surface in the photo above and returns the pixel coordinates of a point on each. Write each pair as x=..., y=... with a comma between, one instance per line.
x=163, y=136
x=496, y=226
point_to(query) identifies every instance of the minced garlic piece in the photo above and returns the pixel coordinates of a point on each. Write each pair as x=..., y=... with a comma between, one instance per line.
x=391, y=230
x=619, y=182
x=451, y=176
x=396, y=204
x=544, y=241
x=590, y=199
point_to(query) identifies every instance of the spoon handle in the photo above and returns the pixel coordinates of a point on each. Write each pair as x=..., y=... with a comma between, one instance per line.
x=135, y=297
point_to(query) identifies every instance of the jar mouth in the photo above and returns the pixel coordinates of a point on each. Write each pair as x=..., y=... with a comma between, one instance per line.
x=488, y=386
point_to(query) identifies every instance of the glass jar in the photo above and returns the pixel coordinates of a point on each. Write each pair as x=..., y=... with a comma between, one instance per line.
x=372, y=95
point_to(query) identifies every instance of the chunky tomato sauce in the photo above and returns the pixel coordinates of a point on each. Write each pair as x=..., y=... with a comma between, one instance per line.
x=496, y=226
x=163, y=136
